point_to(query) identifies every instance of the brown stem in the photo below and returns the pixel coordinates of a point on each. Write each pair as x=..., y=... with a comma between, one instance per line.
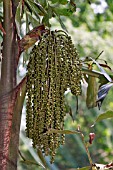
x=11, y=99
x=86, y=148
x=85, y=145
x=8, y=72
x=7, y=83
x=6, y=107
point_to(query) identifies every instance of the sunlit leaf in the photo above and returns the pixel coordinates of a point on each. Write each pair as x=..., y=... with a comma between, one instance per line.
x=106, y=115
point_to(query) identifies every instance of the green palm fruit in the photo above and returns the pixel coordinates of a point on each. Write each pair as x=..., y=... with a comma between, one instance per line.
x=53, y=67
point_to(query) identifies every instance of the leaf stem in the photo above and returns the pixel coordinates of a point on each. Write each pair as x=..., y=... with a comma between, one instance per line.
x=85, y=145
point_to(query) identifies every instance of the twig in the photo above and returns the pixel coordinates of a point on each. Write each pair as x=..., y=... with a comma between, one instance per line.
x=86, y=147
x=99, y=55
x=21, y=155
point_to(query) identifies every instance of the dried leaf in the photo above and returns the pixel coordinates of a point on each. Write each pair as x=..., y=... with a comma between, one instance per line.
x=29, y=39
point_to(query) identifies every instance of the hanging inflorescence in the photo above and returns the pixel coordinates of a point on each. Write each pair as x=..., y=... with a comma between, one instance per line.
x=53, y=67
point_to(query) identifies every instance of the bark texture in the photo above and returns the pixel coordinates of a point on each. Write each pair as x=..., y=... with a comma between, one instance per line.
x=9, y=111
x=10, y=118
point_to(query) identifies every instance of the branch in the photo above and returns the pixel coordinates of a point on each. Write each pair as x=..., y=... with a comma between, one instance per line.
x=92, y=73
x=85, y=145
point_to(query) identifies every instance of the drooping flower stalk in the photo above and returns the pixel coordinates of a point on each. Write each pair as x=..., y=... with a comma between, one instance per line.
x=53, y=67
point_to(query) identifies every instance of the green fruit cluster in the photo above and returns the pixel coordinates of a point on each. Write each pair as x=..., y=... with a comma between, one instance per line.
x=53, y=67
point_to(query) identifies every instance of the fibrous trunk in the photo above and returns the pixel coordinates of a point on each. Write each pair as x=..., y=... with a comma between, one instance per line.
x=9, y=130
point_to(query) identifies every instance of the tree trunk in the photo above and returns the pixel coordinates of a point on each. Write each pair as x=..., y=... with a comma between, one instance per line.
x=10, y=99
